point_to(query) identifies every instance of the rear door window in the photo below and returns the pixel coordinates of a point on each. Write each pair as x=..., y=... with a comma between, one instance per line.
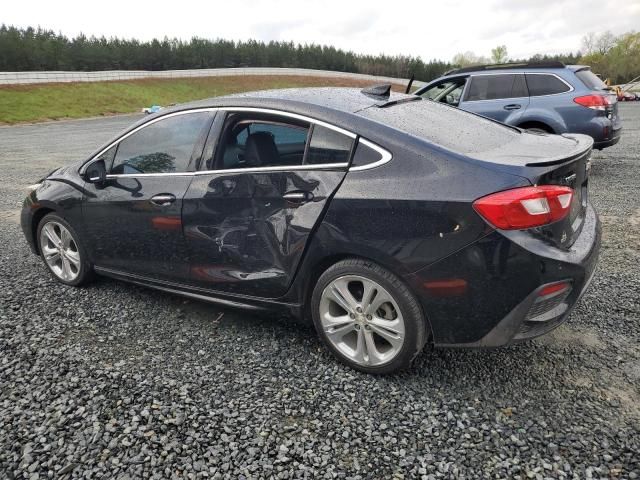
x=492, y=87
x=255, y=143
x=544, y=84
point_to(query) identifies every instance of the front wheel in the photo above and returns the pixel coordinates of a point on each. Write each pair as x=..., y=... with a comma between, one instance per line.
x=368, y=317
x=62, y=252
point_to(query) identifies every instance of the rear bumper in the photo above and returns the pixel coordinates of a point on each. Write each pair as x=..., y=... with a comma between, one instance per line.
x=519, y=325
x=610, y=142
x=500, y=304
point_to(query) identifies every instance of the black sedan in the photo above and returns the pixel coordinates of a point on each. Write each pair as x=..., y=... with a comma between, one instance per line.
x=387, y=220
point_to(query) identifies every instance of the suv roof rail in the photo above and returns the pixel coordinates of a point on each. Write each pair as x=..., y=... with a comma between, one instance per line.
x=507, y=66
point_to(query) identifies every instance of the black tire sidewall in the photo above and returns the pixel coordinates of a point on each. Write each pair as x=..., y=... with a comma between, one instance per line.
x=86, y=269
x=414, y=321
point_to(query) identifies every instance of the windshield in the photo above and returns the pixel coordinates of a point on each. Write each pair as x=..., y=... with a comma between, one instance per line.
x=591, y=80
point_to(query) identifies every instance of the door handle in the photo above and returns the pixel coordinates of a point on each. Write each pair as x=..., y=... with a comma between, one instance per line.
x=163, y=199
x=298, y=197
x=512, y=106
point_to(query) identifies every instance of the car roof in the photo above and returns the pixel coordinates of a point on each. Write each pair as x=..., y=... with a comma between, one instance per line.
x=347, y=100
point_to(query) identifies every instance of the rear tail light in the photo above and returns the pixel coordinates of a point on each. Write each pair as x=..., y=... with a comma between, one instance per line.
x=595, y=102
x=525, y=207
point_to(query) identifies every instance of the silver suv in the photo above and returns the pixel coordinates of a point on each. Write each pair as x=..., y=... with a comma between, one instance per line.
x=547, y=97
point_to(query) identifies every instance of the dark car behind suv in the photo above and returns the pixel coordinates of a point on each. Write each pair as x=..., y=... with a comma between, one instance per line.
x=549, y=97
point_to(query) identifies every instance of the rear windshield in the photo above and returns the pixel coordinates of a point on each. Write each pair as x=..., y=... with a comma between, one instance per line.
x=443, y=125
x=591, y=80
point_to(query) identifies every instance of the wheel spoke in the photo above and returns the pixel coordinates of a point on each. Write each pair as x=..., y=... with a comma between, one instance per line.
x=369, y=294
x=51, y=256
x=342, y=296
x=337, y=331
x=360, y=354
x=66, y=238
x=73, y=256
x=51, y=234
x=374, y=356
x=67, y=274
x=393, y=336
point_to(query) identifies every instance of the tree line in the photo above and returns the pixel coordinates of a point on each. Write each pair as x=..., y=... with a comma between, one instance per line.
x=32, y=49
x=29, y=49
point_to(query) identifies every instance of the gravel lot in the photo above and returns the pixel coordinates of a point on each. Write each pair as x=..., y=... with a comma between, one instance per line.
x=118, y=381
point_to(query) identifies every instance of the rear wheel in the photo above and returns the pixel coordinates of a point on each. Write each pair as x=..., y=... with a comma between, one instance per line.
x=368, y=317
x=62, y=252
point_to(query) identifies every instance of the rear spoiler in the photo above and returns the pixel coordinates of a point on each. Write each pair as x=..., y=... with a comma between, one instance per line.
x=584, y=144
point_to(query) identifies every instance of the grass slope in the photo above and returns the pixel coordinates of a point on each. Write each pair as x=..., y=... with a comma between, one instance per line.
x=33, y=103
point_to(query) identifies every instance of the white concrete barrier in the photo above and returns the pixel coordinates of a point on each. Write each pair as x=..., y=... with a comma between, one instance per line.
x=16, y=78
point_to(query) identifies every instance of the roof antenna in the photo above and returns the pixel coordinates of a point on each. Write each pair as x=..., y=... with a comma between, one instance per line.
x=413, y=77
x=383, y=90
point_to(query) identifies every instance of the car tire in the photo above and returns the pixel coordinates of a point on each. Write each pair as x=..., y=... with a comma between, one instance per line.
x=368, y=317
x=62, y=251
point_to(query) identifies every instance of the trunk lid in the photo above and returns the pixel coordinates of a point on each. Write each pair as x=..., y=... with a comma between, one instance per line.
x=551, y=160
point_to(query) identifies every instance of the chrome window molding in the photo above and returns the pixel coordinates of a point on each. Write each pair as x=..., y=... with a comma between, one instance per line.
x=282, y=168
x=290, y=115
x=319, y=166
x=385, y=156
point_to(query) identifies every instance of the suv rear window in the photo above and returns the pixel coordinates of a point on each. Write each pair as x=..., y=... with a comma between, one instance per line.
x=591, y=80
x=490, y=87
x=544, y=84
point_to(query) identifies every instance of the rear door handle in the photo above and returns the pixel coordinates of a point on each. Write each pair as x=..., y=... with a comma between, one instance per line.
x=512, y=106
x=163, y=199
x=298, y=197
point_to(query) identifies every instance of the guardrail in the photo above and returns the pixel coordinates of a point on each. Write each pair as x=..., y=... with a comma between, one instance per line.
x=21, y=78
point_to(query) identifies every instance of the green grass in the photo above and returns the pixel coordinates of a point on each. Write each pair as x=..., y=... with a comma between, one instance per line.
x=39, y=102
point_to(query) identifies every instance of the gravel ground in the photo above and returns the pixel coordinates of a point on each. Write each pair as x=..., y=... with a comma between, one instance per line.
x=117, y=381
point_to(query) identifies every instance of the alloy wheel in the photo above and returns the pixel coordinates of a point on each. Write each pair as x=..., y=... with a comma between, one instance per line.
x=362, y=320
x=60, y=251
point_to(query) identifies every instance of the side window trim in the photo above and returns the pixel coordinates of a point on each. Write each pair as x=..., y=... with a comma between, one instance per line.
x=385, y=155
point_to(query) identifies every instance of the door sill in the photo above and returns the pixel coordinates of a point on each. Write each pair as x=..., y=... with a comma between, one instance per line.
x=211, y=296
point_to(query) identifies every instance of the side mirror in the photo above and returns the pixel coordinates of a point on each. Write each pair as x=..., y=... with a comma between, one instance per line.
x=96, y=173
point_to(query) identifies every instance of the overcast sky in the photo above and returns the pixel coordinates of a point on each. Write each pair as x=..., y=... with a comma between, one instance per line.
x=426, y=29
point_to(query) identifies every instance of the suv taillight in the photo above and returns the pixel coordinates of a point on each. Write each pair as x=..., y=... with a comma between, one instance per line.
x=595, y=102
x=525, y=207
